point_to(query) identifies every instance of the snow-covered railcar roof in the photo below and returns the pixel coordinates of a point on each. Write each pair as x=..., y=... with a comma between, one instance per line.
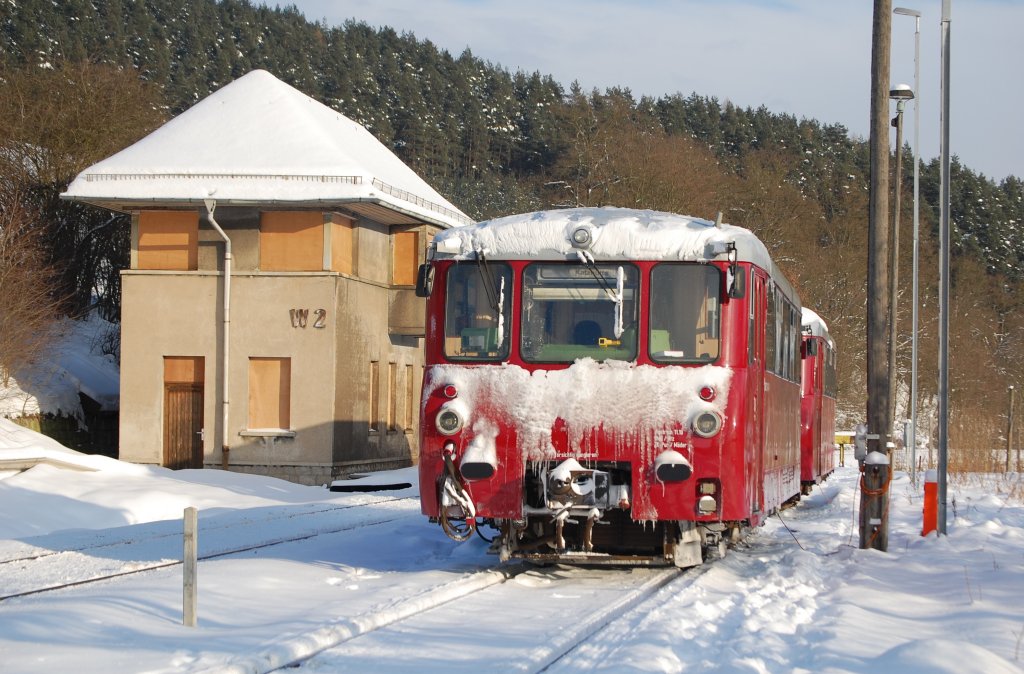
x=814, y=325
x=616, y=234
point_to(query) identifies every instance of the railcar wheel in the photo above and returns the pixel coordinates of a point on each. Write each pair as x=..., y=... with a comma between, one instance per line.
x=715, y=549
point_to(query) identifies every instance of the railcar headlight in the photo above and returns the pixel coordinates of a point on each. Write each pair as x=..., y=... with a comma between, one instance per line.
x=707, y=424
x=449, y=420
x=581, y=237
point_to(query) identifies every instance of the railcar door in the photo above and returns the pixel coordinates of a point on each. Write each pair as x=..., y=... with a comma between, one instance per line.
x=819, y=407
x=756, y=358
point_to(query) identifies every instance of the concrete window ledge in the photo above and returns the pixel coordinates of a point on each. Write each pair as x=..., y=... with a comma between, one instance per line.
x=267, y=433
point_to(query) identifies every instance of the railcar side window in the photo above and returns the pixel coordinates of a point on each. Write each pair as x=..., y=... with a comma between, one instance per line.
x=575, y=311
x=478, y=303
x=685, y=313
x=831, y=378
x=771, y=332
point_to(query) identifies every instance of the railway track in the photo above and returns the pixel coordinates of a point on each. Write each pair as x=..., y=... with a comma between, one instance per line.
x=588, y=631
x=299, y=649
x=40, y=571
x=371, y=640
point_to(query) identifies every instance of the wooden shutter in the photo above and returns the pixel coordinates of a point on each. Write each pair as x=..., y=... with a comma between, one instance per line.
x=342, y=244
x=270, y=392
x=168, y=240
x=405, y=258
x=292, y=241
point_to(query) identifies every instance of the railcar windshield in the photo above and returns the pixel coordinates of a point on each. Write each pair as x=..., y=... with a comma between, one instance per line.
x=575, y=311
x=685, y=313
x=478, y=303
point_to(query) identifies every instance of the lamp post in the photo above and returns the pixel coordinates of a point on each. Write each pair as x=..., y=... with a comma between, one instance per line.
x=901, y=93
x=903, y=11
x=944, y=162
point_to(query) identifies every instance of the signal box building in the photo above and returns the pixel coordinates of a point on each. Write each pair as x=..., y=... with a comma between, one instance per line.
x=269, y=322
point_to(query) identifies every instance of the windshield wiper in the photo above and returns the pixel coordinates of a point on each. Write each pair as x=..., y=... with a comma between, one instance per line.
x=487, y=276
x=615, y=295
x=598, y=276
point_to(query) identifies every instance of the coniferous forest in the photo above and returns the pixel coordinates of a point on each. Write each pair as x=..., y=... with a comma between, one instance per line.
x=82, y=79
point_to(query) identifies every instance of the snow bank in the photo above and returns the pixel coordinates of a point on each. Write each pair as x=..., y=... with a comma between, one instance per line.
x=70, y=490
x=77, y=366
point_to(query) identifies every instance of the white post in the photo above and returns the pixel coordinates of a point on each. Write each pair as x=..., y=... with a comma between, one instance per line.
x=917, y=216
x=189, y=564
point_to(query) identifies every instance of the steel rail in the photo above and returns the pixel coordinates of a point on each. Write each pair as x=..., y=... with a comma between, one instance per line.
x=204, y=528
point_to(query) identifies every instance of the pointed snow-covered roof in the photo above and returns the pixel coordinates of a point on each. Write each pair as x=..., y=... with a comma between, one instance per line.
x=260, y=141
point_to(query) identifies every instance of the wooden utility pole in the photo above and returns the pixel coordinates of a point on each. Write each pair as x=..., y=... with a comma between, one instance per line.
x=874, y=505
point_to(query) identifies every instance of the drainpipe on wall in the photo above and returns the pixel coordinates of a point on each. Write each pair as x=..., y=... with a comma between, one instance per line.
x=225, y=448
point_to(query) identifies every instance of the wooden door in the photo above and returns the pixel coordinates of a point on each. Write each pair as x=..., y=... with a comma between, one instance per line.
x=183, y=412
x=183, y=425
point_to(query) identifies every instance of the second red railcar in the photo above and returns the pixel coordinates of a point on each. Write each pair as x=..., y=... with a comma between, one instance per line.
x=818, y=402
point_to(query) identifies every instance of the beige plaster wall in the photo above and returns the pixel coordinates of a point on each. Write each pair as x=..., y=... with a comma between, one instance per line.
x=181, y=315
x=363, y=337
x=163, y=314
x=261, y=325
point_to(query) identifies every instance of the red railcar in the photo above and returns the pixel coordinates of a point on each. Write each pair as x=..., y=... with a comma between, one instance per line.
x=607, y=385
x=818, y=402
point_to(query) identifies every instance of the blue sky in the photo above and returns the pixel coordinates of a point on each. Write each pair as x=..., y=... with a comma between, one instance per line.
x=809, y=58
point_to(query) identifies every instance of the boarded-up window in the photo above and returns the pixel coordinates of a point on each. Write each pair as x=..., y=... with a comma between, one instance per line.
x=168, y=240
x=374, y=420
x=410, y=396
x=392, y=397
x=405, y=258
x=184, y=369
x=270, y=387
x=292, y=241
x=342, y=244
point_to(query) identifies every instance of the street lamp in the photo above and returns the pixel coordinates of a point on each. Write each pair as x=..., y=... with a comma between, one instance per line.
x=944, y=161
x=903, y=11
x=901, y=93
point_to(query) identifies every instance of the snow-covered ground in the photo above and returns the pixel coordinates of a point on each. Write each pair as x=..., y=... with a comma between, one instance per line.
x=802, y=599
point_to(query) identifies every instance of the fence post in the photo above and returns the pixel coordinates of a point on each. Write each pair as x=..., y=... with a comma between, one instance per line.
x=189, y=564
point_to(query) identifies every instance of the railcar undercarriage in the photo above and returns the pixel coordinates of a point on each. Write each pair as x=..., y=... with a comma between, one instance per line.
x=582, y=515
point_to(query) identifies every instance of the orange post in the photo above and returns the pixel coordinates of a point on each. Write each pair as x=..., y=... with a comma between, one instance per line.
x=931, y=502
